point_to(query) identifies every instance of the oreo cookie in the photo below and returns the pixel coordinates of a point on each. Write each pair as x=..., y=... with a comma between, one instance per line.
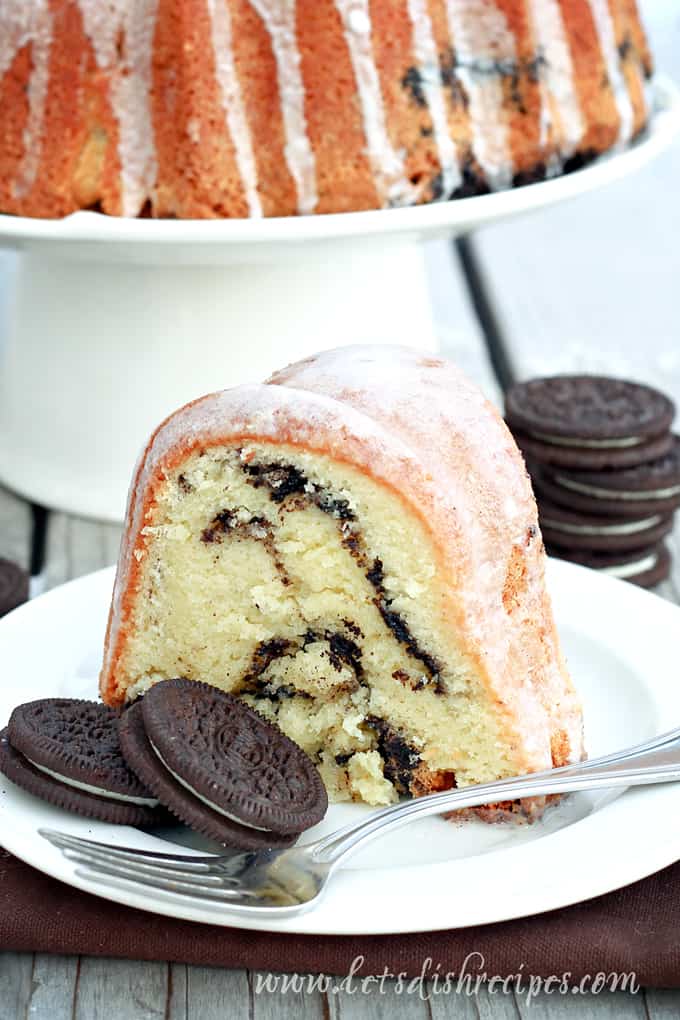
x=572, y=529
x=13, y=586
x=220, y=767
x=646, y=567
x=592, y=457
x=588, y=409
x=67, y=753
x=184, y=804
x=646, y=489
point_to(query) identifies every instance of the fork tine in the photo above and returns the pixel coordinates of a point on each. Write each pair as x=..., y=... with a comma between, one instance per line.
x=278, y=907
x=199, y=865
x=99, y=871
x=102, y=863
x=140, y=869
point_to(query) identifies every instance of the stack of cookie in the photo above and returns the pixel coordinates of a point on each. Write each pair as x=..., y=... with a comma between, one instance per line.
x=606, y=470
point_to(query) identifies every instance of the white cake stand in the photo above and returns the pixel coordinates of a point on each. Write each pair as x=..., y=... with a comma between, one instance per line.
x=110, y=323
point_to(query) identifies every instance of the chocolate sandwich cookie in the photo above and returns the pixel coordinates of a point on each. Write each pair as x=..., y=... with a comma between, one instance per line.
x=572, y=529
x=589, y=422
x=231, y=758
x=591, y=458
x=179, y=800
x=13, y=586
x=67, y=753
x=645, y=567
x=646, y=489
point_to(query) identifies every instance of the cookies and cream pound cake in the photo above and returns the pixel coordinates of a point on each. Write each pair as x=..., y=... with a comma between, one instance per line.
x=249, y=108
x=353, y=549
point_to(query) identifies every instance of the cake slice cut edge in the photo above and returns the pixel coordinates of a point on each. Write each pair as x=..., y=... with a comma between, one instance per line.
x=380, y=598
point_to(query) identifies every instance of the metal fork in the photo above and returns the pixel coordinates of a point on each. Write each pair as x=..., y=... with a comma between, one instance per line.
x=278, y=883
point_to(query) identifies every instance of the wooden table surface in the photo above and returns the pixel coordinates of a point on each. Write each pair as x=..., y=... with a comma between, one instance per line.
x=590, y=286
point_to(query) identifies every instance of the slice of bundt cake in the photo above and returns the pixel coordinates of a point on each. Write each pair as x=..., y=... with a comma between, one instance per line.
x=352, y=548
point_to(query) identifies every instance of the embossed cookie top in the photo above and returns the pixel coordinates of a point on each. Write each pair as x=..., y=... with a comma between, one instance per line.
x=76, y=739
x=179, y=800
x=231, y=758
x=587, y=406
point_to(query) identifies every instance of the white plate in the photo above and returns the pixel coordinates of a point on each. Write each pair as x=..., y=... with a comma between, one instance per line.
x=622, y=649
x=90, y=235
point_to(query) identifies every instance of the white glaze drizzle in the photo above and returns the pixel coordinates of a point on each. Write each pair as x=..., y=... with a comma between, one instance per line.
x=604, y=25
x=560, y=108
x=386, y=163
x=278, y=17
x=425, y=51
x=24, y=24
x=481, y=39
x=232, y=102
x=134, y=22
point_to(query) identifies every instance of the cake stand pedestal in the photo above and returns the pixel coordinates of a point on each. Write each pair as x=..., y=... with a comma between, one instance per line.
x=96, y=354
x=110, y=324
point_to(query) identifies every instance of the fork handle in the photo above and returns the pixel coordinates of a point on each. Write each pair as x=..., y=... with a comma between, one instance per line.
x=655, y=762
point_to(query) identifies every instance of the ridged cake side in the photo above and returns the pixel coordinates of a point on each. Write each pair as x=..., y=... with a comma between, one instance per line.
x=237, y=108
x=364, y=567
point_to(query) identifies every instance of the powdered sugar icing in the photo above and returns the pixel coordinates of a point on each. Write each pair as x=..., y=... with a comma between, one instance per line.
x=279, y=19
x=28, y=24
x=482, y=41
x=232, y=102
x=133, y=21
x=604, y=24
x=387, y=164
x=425, y=51
x=561, y=112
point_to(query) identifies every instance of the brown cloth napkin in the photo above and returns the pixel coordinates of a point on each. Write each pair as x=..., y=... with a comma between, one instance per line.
x=634, y=929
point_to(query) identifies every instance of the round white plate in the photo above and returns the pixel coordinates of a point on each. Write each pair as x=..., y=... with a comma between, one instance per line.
x=622, y=649
x=93, y=236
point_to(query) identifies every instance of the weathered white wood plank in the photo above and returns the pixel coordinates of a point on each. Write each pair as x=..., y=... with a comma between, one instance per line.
x=287, y=995
x=606, y=1006
x=469, y=1005
x=663, y=1004
x=176, y=1008
x=110, y=535
x=76, y=546
x=206, y=993
x=53, y=988
x=14, y=528
x=388, y=1000
x=121, y=989
x=674, y=583
x=15, y=984
x=459, y=332
x=56, y=557
x=87, y=546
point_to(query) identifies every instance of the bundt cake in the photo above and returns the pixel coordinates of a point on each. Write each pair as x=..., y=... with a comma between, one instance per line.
x=237, y=108
x=353, y=549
